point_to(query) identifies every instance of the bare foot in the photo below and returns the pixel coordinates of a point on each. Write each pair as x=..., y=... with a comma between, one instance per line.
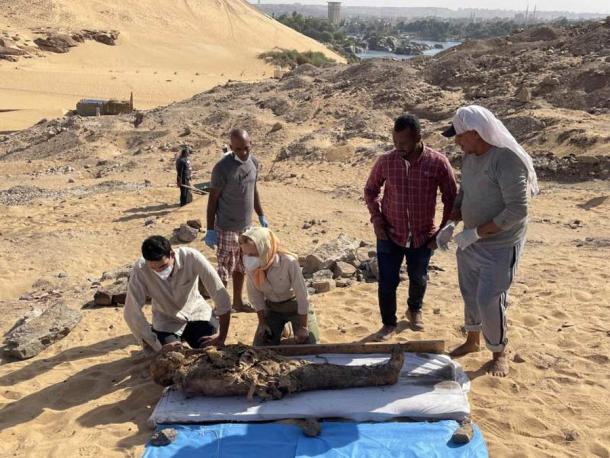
x=384, y=333
x=498, y=366
x=465, y=348
x=472, y=345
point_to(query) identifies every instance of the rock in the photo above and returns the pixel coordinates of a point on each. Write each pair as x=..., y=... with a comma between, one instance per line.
x=323, y=286
x=112, y=296
x=571, y=435
x=149, y=222
x=518, y=358
x=123, y=272
x=324, y=274
x=102, y=298
x=343, y=248
x=34, y=335
x=343, y=283
x=277, y=126
x=362, y=255
x=522, y=127
x=164, y=437
x=186, y=233
x=195, y=224
x=62, y=275
x=71, y=180
x=436, y=311
x=57, y=43
x=523, y=94
x=372, y=269
x=344, y=270
x=311, y=291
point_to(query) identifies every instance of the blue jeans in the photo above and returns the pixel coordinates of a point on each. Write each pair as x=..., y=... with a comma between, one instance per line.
x=390, y=257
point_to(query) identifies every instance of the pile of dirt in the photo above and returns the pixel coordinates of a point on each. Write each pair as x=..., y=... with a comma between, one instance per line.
x=568, y=67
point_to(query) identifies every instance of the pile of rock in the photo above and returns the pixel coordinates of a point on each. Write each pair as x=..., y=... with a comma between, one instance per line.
x=188, y=232
x=338, y=264
x=115, y=293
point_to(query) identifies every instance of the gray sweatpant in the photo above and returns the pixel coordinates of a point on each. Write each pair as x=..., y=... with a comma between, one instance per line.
x=485, y=275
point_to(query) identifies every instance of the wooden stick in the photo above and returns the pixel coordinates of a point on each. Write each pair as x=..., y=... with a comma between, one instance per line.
x=195, y=190
x=415, y=346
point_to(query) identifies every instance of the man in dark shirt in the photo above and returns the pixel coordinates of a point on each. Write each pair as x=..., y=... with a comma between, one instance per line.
x=183, y=176
x=233, y=200
x=403, y=219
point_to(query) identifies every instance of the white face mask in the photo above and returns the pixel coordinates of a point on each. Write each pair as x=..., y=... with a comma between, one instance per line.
x=236, y=157
x=252, y=263
x=165, y=273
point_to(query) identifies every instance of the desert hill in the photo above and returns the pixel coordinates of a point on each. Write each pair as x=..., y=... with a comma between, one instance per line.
x=167, y=50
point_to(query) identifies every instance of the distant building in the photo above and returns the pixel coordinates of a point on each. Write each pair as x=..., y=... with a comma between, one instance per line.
x=100, y=107
x=334, y=12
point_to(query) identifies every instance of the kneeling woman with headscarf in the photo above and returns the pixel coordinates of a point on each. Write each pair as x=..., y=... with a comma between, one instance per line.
x=276, y=289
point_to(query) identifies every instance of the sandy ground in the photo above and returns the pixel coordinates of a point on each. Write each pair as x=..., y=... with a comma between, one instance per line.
x=167, y=51
x=88, y=395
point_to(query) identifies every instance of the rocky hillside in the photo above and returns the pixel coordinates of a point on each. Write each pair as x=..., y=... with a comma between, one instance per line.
x=344, y=113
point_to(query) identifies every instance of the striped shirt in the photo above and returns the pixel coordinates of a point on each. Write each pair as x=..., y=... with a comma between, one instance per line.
x=408, y=205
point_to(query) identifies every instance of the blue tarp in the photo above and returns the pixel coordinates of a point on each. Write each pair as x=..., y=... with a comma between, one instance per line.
x=337, y=440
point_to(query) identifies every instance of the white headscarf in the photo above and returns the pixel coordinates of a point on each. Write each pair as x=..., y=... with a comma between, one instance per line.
x=491, y=129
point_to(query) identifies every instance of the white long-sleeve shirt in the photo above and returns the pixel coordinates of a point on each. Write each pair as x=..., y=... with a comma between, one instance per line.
x=284, y=281
x=175, y=301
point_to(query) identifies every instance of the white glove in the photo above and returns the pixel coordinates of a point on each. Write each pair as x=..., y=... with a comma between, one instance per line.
x=445, y=235
x=466, y=238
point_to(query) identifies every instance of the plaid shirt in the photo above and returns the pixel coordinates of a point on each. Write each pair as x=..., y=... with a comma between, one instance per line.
x=409, y=197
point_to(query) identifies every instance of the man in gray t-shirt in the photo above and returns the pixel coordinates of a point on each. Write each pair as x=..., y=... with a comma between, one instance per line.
x=493, y=204
x=233, y=198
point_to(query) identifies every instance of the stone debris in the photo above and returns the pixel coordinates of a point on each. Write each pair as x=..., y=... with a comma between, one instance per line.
x=164, y=437
x=186, y=233
x=36, y=333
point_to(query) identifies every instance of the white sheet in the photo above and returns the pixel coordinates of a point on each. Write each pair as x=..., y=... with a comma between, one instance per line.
x=431, y=387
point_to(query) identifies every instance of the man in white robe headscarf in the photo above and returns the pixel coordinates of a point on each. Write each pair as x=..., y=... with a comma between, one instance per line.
x=498, y=179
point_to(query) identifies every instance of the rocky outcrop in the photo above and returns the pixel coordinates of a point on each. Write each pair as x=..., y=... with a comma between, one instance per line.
x=34, y=334
x=57, y=43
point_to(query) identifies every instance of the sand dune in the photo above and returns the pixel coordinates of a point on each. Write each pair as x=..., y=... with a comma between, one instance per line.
x=167, y=51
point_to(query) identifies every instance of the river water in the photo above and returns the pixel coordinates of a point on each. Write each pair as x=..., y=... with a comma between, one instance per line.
x=429, y=52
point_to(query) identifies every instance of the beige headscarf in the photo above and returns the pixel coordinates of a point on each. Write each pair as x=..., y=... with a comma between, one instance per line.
x=268, y=247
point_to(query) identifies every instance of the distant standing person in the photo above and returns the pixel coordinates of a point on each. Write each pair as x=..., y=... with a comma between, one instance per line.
x=232, y=201
x=410, y=176
x=498, y=178
x=183, y=175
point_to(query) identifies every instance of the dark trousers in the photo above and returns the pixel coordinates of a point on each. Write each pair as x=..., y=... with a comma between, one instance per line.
x=390, y=257
x=193, y=331
x=186, y=196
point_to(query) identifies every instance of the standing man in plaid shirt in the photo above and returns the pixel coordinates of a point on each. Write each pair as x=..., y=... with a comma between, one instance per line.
x=232, y=200
x=410, y=176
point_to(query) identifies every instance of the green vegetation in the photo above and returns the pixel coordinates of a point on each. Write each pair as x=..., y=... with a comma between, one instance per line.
x=323, y=31
x=291, y=58
x=354, y=35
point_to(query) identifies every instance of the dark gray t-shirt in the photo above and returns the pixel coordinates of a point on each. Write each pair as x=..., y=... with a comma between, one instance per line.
x=236, y=183
x=494, y=187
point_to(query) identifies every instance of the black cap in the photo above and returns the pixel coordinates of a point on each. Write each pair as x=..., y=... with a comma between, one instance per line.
x=449, y=132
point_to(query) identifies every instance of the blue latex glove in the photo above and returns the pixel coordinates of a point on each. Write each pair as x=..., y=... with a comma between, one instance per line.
x=263, y=221
x=211, y=238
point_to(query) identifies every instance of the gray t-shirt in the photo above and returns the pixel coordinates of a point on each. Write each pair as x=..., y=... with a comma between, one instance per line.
x=236, y=183
x=494, y=187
